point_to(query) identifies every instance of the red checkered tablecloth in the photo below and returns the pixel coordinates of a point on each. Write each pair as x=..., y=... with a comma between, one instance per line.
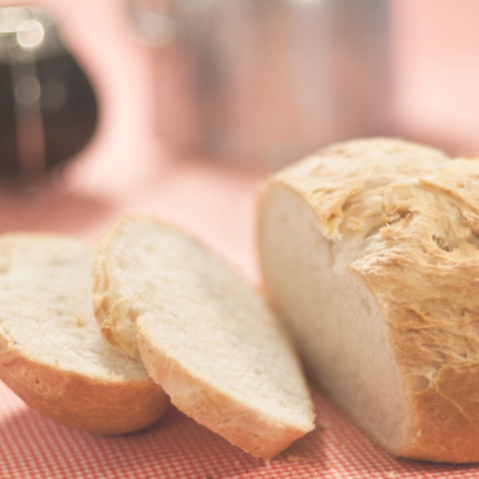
x=178, y=448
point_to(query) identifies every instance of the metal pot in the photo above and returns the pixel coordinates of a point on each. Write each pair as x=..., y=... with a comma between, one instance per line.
x=272, y=80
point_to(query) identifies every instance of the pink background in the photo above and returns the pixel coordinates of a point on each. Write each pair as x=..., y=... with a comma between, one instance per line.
x=436, y=71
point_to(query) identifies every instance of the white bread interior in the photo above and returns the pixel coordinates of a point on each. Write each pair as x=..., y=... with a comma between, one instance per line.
x=370, y=250
x=52, y=353
x=342, y=335
x=204, y=334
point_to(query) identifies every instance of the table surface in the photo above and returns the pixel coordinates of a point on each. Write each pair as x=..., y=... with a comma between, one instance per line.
x=128, y=169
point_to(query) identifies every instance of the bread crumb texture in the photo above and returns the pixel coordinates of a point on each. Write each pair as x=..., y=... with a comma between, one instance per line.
x=52, y=353
x=409, y=216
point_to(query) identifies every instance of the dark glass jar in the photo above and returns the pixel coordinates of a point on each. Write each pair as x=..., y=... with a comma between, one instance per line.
x=48, y=109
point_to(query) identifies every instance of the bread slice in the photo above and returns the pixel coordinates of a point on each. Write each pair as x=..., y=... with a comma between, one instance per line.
x=203, y=333
x=370, y=249
x=51, y=351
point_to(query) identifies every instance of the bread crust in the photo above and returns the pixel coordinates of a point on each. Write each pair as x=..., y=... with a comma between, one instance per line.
x=116, y=318
x=420, y=260
x=82, y=402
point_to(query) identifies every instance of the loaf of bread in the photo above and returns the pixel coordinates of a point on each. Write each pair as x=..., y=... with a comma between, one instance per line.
x=370, y=249
x=52, y=353
x=204, y=334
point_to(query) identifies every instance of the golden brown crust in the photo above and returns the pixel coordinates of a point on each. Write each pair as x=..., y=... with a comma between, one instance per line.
x=420, y=231
x=432, y=311
x=116, y=318
x=330, y=179
x=109, y=407
x=215, y=410
x=448, y=422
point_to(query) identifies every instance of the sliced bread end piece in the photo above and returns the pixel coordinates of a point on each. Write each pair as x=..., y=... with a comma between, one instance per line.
x=52, y=354
x=204, y=334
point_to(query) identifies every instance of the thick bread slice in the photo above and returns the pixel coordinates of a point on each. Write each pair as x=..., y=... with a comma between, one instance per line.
x=203, y=333
x=370, y=249
x=51, y=351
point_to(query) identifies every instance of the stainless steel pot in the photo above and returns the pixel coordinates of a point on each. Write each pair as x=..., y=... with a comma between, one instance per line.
x=272, y=80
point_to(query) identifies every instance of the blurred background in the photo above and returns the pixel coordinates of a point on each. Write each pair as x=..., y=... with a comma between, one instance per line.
x=180, y=107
